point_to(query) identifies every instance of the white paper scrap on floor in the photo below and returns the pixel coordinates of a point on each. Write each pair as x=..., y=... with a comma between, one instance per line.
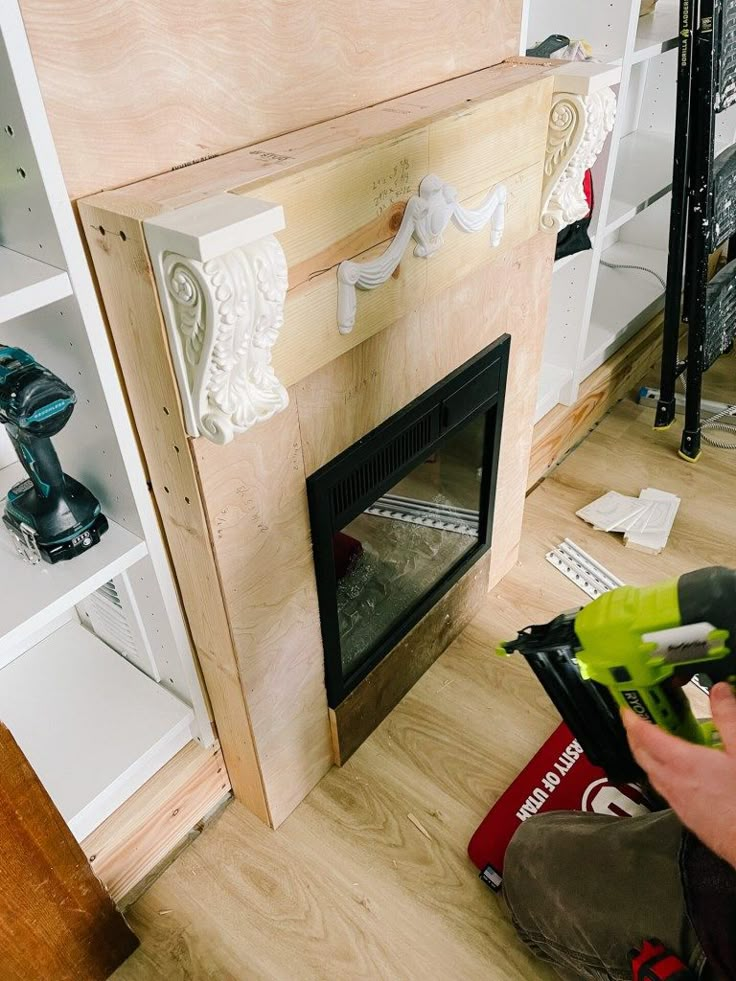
x=645, y=521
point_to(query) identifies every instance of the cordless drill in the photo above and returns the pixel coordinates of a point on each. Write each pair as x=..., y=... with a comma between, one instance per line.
x=50, y=515
x=635, y=647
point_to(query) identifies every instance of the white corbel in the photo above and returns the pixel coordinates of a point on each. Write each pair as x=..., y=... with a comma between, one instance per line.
x=582, y=115
x=425, y=220
x=222, y=279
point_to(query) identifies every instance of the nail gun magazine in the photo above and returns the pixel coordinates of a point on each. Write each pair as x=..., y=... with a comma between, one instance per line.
x=635, y=647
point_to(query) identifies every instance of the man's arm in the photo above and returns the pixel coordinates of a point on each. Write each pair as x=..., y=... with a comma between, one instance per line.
x=698, y=783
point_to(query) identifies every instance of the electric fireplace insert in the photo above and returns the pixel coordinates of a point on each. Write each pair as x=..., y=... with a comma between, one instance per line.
x=401, y=515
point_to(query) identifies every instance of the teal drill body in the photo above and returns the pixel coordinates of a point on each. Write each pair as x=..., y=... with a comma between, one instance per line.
x=50, y=514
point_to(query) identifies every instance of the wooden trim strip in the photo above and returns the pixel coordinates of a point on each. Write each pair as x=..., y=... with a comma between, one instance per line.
x=151, y=823
x=118, y=251
x=562, y=429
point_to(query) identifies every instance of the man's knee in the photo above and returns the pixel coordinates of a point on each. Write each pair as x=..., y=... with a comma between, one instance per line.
x=545, y=868
x=529, y=886
x=546, y=853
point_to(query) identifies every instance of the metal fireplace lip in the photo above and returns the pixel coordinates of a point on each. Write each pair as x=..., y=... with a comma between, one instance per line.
x=451, y=404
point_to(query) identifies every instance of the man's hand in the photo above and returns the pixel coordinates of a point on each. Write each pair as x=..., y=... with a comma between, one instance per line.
x=699, y=783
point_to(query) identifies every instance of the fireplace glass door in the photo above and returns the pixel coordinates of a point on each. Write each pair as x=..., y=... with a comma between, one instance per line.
x=407, y=541
x=399, y=517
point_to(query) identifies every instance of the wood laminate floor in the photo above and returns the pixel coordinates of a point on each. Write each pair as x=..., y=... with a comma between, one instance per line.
x=349, y=887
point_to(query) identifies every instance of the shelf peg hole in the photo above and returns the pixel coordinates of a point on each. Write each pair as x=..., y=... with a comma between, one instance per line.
x=123, y=236
x=9, y=130
x=21, y=173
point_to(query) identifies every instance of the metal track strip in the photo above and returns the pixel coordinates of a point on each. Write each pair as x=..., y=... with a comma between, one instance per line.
x=444, y=517
x=582, y=569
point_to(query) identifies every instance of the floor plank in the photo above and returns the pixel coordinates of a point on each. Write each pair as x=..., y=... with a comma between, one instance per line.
x=350, y=887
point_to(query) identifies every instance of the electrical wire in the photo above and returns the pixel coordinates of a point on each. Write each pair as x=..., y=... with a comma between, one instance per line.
x=715, y=423
x=723, y=427
x=624, y=265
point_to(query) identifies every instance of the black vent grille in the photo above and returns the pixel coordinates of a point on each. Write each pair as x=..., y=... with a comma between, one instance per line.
x=726, y=57
x=366, y=479
x=721, y=315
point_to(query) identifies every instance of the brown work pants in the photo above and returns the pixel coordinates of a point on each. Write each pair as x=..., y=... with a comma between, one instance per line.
x=583, y=889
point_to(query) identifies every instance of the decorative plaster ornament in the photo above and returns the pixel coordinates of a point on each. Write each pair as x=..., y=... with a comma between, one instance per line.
x=425, y=219
x=222, y=280
x=229, y=311
x=578, y=127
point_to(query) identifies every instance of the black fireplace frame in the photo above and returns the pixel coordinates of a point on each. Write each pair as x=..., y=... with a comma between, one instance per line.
x=344, y=487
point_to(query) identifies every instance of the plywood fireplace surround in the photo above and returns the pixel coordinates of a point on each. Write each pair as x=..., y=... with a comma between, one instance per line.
x=273, y=305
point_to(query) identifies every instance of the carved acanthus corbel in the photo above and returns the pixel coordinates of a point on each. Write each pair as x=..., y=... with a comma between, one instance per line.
x=578, y=128
x=223, y=310
x=425, y=219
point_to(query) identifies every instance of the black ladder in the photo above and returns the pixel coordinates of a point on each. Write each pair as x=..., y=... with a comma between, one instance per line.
x=703, y=213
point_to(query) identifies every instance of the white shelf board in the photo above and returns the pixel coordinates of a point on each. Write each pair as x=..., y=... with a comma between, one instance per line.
x=658, y=31
x=625, y=299
x=33, y=595
x=551, y=382
x=93, y=727
x=643, y=175
x=27, y=284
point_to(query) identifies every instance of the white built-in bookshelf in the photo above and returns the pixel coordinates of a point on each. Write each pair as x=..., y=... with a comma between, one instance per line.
x=97, y=677
x=594, y=308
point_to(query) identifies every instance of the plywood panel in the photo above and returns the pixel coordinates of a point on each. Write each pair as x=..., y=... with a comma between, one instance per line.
x=310, y=339
x=121, y=262
x=243, y=171
x=56, y=920
x=254, y=492
x=134, y=88
x=352, y=395
x=369, y=704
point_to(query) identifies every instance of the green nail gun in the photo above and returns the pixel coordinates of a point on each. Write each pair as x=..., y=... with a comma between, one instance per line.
x=635, y=647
